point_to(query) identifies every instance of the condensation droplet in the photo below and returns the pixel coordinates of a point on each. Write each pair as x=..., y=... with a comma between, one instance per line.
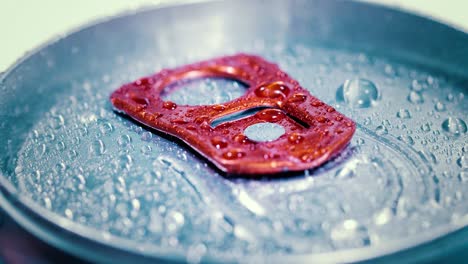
x=106, y=128
x=463, y=176
x=345, y=173
x=124, y=140
x=404, y=114
x=383, y=217
x=416, y=85
x=426, y=127
x=97, y=147
x=440, y=107
x=381, y=130
x=407, y=139
x=359, y=93
x=174, y=221
x=146, y=149
x=454, y=126
x=57, y=121
x=463, y=162
x=69, y=213
x=415, y=97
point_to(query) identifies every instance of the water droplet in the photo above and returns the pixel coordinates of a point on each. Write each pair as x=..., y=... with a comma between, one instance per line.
x=317, y=103
x=463, y=162
x=389, y=70
x=417, y=85
x=218, y=107
x=47, y=203
x=360, y=93
x=381, y=130
x=455, y=126
x=440, y=107
x=155, y=222
x=242, y=233
x=345, y=172
x=174, y=221
x=271, y=115
x=72, y=154
x=241, y=138
x=308, y=156
x=295, y=138
x=136, y=204
x=146, y=149
x=60, y=167
x=297, y=98
x=219, y=142
x=40, y=150
x=272, y=90
x=415, y=97
x=463, y=176
x=407, y=139
x=144, y=102
x=124, y=140
x=383, y=217
x=450, y=97
x=60, y=146
x=426, y=127
x=97, y=147
x=360, y=141
x=195, y=253
x=233, y=154
x=124, y=162
x=105, y=127
x=263, y=132
x=404, y=114
x=169, y=105
x=69, y=213
x=345, y=230
x=56, y=121
x=321, y=119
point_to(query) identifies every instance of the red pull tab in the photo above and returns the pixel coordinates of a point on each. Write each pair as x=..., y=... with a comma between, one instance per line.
x=314, y=131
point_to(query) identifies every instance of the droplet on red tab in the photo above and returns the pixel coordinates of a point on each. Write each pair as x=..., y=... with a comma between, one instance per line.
x=219, y=142
x=295, y=138
x=233, y=154
x=317, y=103
x=144, y=81
x=241, y=138
x=307, y=156
x=321, y=119
x=271, y=115
x=270, y=156
x=218, y=107
x=297, y=98
x=200, y=119
x=169, y=105
x=272, y=90
x=140, y=100
x=180, y=121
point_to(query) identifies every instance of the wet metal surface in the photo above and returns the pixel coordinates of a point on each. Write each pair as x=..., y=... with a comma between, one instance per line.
x=401, y=182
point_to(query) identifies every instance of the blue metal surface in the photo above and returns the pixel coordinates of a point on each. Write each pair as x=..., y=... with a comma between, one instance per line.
x=93, y=183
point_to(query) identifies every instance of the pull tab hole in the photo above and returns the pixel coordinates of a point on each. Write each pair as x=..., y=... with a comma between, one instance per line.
x=203, y=91
x=264, y=132
x=237, y=116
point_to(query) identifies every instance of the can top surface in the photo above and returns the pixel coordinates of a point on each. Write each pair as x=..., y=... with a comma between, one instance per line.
x=401, y=182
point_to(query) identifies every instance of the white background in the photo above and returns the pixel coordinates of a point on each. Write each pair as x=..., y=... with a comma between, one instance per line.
x=26, y=24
